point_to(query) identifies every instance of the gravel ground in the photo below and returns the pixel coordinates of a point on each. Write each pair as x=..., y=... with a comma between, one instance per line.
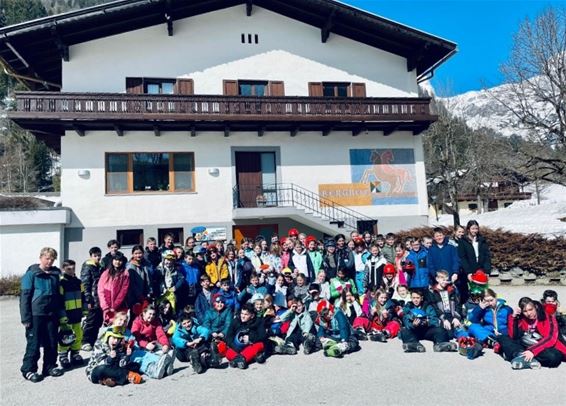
x=378, y=373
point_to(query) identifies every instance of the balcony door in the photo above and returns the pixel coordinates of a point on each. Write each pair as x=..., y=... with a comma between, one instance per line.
x=255, y=177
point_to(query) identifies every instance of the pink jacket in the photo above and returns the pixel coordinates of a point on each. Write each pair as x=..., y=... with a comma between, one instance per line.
x=147, y=332
x=113, y=291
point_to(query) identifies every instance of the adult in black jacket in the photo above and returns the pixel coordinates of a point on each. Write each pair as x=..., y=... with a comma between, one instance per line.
x=346, y=256
x=330, y=260
x=90, y=274
x=245, y=339
x=474, y=254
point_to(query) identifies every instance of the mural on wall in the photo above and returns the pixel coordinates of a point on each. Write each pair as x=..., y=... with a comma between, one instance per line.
x=379, y=176
x=389, y=174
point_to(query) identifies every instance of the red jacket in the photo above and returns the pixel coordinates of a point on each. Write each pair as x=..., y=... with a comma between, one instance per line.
x=112, y=291
x=548, y=329
x=147, y=332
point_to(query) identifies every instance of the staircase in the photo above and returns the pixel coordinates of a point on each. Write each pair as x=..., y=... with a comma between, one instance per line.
x=293, y=201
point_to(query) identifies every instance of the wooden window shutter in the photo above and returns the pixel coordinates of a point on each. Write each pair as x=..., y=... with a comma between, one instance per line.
x=184, y=86
x=276, y=88
x=358, y=89
x=315, y=89
x=134, y=85
x=230, y=87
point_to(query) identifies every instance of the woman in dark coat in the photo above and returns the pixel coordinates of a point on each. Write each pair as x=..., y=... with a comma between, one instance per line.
x=473, y=250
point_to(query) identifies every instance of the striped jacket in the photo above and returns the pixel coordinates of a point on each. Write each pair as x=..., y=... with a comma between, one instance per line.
x=72, y=290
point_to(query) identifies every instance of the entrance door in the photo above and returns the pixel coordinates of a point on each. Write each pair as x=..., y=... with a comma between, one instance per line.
x=254, y=172
x=252, y=231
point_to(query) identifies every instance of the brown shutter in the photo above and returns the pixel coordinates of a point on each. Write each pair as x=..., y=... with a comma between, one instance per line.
x=276, y=88
x=134, y=85
x=230, y=88
x=315, y=89
x=358, y=89
x=184, y=86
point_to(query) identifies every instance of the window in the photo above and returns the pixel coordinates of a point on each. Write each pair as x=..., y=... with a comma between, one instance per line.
x=335, y=89
x=130, y=237
x=472, y=206
x=150, y=172
x=252, y=88
x=159, y=86
x=176, y=232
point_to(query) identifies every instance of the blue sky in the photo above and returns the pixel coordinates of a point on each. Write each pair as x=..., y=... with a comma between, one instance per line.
x=483, y=30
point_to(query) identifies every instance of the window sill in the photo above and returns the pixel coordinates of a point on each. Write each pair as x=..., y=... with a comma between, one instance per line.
x=149, y=193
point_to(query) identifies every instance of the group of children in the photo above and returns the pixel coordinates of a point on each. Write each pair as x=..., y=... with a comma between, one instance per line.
x=202, y=304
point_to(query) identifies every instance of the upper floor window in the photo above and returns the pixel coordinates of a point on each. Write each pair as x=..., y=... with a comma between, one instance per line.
x=252, y=88
x=159, y=86
x=337, y=89
x=150, y=172
x=258, y=88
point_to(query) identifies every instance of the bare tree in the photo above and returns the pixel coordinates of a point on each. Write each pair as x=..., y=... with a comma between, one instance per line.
x=536, y=77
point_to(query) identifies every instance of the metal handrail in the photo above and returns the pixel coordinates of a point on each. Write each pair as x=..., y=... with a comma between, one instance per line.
x=292, y=195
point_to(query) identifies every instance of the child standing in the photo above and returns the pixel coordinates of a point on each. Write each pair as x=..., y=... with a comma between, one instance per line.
x=72, y=291
x=41, y=306
x=90, y=275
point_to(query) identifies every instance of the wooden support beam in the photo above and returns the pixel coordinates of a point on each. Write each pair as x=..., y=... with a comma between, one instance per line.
x=260, y=131
x=357, y=131
x=326, y=131
x=249, y=7
x=79, y=130
x=61, y=46
x=414, y=60
x=390, y=130
x=294, y=131
x=193, y=131
x=169, y=17
x=227, y=131
x=327, y=27
x=156, y=131
x=418, y=130
x=119, y=131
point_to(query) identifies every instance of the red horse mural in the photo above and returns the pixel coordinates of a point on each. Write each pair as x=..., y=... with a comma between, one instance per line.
x=383, y=170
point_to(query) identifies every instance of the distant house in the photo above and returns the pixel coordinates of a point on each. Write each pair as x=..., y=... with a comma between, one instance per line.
x=492, y=196
x=244, y=117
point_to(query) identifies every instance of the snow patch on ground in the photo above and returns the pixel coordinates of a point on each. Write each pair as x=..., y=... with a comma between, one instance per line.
x=524, y=216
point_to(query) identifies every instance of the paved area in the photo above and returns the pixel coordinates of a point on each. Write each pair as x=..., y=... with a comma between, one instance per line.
x=379, y=373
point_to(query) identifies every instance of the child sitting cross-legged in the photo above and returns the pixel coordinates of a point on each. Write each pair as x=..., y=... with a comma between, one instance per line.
x=191, y=343
x=245, y=339
x=380, y=320
x=110, y=363
x=334, y=331
x=301, y=330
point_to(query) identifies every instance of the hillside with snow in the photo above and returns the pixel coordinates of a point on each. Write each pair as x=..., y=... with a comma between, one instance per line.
x=524, y=216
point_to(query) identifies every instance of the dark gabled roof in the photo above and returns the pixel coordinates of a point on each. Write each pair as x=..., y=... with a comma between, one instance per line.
x=34, y=49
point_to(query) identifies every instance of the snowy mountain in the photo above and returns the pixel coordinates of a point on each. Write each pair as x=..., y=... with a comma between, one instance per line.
x=481, y=109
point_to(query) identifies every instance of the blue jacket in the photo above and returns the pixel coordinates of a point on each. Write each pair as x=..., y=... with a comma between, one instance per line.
x=432, y=319
x=338, y=328
x=218, y=322
x=446, y=258
x=181, y=336
x=40, y=294
x=202, y=305
x=191, y=273
x=251, y=290
x=230, y=298
x=421, y=277
x=486, y=317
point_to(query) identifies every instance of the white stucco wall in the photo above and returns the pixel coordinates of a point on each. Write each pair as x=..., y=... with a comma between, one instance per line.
x=208, y=49
x=307, y=160
x=24, y=233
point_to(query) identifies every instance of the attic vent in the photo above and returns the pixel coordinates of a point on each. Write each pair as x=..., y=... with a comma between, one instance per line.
x=249, y=38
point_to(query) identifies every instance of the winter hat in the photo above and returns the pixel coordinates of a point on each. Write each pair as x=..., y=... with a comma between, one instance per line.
x=408, y=266
x=314, y=287
x=256, y=296
x=389, y=269
x=217, y=297
x=330, y=243
x=168, y=254
x=359, y=241
x=287, y=271
x=324, y=304
x=293, y=232
x=309, y=239
x=480, y=277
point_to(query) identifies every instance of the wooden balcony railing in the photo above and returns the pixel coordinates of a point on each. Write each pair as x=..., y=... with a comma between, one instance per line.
x=117, y=106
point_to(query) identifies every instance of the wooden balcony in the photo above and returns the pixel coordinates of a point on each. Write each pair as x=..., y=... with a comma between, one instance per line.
x=49, y=114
